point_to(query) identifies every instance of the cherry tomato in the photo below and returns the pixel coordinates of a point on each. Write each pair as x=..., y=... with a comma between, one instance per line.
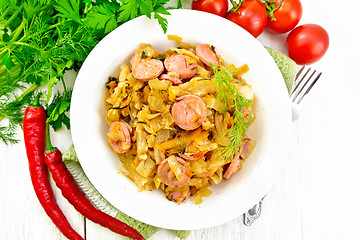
x=283, y=17
x=307, y=43
x=251, y=15
x=218, y=7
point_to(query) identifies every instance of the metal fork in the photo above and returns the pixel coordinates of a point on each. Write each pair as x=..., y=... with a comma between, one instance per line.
x=301, y=88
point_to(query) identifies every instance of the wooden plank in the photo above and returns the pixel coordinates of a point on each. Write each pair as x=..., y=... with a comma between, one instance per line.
x=330, y=164
x=22, y=216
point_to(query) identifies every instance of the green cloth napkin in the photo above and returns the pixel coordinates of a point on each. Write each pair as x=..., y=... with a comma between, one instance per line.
x=72, y=163
x=288, y=70
x=287, y=66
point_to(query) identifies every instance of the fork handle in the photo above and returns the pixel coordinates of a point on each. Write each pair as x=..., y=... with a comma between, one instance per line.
x=253, y=213
x=295, y=112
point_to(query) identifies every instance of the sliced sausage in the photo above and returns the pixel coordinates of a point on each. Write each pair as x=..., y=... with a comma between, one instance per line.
x=247, y=146
x=178, y=196
x=134, y=60
x=207, y=55
x=174, y=79
x=119, y=137
x=148, y=69
x=167, y=176
x=233, y=167
x=189, y=112
x=194, y=157
x=183, y=65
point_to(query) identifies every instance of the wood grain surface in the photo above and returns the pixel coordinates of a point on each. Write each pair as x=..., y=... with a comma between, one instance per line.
x=317, y=194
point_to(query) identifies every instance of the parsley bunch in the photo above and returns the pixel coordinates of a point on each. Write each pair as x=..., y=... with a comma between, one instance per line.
x=41, y=39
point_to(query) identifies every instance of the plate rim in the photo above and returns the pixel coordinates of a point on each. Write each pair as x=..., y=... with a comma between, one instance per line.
x=175, y=13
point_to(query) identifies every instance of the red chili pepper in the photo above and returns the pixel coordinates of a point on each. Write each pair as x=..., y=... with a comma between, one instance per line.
x=70, y=190
x=34, y=137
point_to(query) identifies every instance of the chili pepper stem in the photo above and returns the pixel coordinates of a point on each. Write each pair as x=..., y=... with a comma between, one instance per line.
x=36, y=101
x=49, y=147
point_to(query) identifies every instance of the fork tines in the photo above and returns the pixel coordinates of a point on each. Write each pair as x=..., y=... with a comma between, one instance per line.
x=297, y=95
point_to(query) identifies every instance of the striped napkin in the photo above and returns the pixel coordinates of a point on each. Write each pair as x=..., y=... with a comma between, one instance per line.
x=72, y=163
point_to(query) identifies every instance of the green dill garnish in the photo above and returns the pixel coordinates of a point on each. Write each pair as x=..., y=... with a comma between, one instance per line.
x=160, y=56
x=118, y=108
x=143, y=55
x=229, y=96
x=203, y=79
x=141, y=88
x=112, y=79
x=162, y=91
x=183, y=150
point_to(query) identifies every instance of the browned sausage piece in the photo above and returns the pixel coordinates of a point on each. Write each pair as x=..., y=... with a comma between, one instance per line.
x=148, y=69
x=174, y=79
x=167, y=176
x=178, y=196
x=183, y=65
x=233, y=167
x=207, y=55
x=119, y=137
x=189, y=112
x=134, y=60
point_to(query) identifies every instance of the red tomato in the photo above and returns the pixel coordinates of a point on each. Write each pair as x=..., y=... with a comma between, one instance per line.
x=251, y=15
x=307, y=43
x=285, y=17
x=218, y=7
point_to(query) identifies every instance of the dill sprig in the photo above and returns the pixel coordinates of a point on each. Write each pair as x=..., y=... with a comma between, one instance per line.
x=7, y=134
x=41, y=39
x=230, y=98
x=35, y=50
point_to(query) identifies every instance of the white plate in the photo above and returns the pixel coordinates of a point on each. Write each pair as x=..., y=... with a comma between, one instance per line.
x=271, y=129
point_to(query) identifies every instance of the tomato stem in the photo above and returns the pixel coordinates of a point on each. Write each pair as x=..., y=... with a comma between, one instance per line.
x=236, y=5
x=271, y=7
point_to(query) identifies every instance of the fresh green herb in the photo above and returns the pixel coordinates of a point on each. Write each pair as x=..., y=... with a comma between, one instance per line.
x=133, y=8
x=111, y=79
x=160, y=56
x=120, y=108
x=229, y=96
x=102, y=15
x=143, y=55
x=41, y=39
x=37, y=47
x=56, y=111
x=141, y=88
x=162, y=91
